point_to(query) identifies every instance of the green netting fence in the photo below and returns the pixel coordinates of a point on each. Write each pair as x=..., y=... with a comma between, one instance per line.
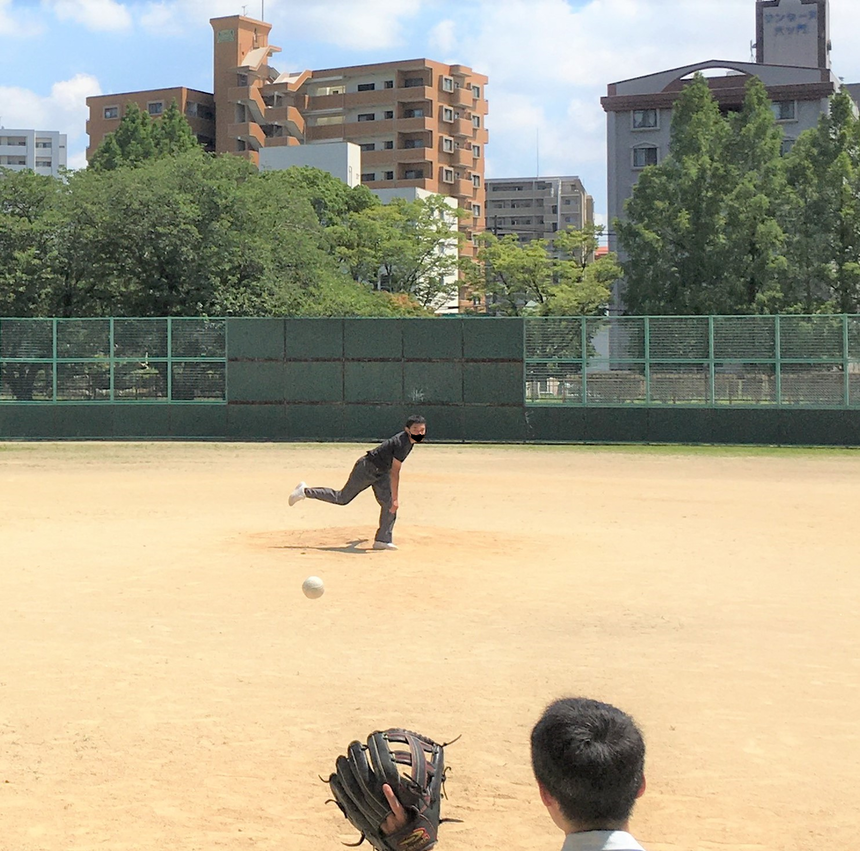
x=113, y=360
x=717, y=361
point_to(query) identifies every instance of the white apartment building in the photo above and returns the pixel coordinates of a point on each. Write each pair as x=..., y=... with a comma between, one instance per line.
x=41, y=151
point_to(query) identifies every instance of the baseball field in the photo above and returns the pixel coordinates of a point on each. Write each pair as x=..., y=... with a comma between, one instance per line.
x=164, y=684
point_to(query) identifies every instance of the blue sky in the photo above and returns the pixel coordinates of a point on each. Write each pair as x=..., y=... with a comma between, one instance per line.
x=549, y=61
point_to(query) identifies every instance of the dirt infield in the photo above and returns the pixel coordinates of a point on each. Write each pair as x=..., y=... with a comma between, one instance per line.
x=165, y=685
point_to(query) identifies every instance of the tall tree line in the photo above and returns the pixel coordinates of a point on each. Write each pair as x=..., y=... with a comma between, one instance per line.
x=732, y=223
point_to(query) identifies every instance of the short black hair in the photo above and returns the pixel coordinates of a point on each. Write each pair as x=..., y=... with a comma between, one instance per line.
x=415, y=419
x=590, y=756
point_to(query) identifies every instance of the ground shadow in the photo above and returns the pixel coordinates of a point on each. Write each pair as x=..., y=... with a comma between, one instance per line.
x=351, y=547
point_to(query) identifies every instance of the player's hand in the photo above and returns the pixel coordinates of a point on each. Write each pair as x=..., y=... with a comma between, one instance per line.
x=398, y=817
x=395, y=504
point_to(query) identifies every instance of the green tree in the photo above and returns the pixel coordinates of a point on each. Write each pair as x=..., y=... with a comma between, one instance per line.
x=408, y=247
x=702, y=232
x=172, y=133
x=824, y=218
x=538, y=278
x=132, y=143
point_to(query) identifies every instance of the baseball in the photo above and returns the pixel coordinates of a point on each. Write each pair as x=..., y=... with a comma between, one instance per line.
x=313, y=587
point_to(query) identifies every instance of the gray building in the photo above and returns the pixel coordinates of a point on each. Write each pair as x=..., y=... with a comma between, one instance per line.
x=793, y=62
x=536, y=207
x=42, y=151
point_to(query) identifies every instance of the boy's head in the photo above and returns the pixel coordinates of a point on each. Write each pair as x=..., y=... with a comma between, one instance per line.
x=588, y=758
x=416, y=428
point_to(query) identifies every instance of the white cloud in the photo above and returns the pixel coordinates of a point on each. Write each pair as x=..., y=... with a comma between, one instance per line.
x=443, y=37
x=64, y=109
x=99, y=15
x=6, y=23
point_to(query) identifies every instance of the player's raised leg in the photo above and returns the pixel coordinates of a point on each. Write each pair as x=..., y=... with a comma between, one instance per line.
x=363, y=475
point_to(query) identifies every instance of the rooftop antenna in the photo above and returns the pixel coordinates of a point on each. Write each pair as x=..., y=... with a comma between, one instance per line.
x=537, y=152
x=753, y=46
x=262, y=10
x=244, y=11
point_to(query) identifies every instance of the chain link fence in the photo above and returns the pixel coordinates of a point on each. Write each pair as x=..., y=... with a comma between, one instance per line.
x=113, y=360
x=750, y=361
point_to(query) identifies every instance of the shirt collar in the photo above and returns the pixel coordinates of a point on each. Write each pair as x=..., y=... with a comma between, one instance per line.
x=601, y=840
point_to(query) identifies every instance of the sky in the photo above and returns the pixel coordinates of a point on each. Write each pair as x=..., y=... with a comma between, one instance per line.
x=549, y=61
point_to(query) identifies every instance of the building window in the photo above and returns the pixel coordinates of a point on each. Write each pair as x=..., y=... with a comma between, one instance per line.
x=447, y=114
x=645, y=119
x=389, y=113
x=476, y=180
x=368, y=146
x=476, y=121
x=786, y=145
x=413, y=143
x=447, y=175
x=413, y=83
x=43, y=143
x=368, y=176
x=784, y=110
x=476, y=210
x=111, y=112
x=367, y=116
x=414, y=174
x=447, y=144
x=388, y=84
x=476, y=91
x=476, y=151
x=644, y=156
x=413, y=113
x=366, y=87
x=388, y=145
x=566, y=202
x=43, y=163
x=448, y=84
x=389, y=175
x=156, y=107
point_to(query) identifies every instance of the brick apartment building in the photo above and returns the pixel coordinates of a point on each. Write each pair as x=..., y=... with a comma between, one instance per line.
x=420, y=124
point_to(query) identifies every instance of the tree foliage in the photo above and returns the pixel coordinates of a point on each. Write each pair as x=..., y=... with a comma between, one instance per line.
x=727, y=224
x=140, y=138
x=187, y=234
x=561, y=278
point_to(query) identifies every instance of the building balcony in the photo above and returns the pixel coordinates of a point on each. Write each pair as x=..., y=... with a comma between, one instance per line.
x=248, y=132
x=411, y=155
x=413, y=93
x=415, y=125
x=458, y=158
x=326, y=132
x=288, y=117
x=460, y=127
x=251, y=97
x=282, y=141
x=462, y=97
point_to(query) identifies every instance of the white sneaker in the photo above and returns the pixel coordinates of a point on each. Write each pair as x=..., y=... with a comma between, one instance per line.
x=298, y=494
x=382, y=545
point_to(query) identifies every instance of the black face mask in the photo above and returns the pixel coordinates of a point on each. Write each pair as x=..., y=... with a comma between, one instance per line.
x=417, y=437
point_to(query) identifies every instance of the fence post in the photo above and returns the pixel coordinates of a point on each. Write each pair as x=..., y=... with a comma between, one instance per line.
x=583, y=330
x=169, y=358
x=846, y=364
x=777, y=344
x=647, y=323
x=111, y=361
x=712, y=379
x=54, y=356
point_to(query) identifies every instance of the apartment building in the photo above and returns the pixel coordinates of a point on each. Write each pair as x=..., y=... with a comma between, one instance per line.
x=537, y=207
x=41, y=151
x=106, y=111
x=792, y=60
x=418, y=123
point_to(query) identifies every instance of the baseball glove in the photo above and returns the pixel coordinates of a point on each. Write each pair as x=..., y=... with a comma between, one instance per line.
x=413, y=766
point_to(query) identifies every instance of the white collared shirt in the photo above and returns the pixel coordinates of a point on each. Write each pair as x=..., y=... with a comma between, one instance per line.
x=601, y=840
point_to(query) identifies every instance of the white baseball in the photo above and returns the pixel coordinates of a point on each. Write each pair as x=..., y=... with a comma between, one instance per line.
x=313, y=587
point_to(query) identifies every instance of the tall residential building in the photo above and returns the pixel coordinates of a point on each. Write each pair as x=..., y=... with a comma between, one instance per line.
x=419, y=124
x=41, y=151
x=536, y=207
x=793, y=62
x=107, y=110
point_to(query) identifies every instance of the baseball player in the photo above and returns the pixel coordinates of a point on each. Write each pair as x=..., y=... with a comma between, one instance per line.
x=378, y=469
